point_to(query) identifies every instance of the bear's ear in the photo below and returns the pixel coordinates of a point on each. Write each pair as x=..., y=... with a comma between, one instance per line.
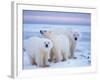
x=75, y=31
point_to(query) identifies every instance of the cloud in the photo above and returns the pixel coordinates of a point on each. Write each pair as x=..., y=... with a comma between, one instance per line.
x=56, y=18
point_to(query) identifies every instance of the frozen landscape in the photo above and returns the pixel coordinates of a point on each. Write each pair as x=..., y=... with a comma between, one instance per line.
x=82, y=52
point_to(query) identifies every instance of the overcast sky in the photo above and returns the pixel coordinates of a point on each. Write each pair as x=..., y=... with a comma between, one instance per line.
x=47, y=17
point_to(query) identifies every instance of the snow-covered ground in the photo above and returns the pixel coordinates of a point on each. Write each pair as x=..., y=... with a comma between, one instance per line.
x=82, y=52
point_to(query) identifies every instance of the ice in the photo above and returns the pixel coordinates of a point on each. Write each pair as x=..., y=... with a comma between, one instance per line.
x=82, y=54
x=80, y=61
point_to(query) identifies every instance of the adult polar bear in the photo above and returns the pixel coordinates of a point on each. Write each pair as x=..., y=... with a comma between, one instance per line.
x=38, y=50
x=61, y=46
x=71, y=36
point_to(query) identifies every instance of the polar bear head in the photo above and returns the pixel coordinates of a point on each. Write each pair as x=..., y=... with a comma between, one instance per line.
x=75, y=34
x=47, y=44
x=46, y=33
x=37, y=43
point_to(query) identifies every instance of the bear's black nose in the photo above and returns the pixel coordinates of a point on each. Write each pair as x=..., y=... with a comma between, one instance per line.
x=46, y=45
x=41, y=31
x=75, y=38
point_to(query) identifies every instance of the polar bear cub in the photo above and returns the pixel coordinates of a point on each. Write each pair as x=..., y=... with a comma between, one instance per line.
x=61, y=46
x=38, y=50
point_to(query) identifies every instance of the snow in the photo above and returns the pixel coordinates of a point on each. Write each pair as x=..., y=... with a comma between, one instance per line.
x=82, y=55
x=82, y=52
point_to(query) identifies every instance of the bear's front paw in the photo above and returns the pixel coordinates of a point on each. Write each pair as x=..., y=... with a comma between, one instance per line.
x=64, y=60
x=33, y=62
x=46, y=65
x=49, y=60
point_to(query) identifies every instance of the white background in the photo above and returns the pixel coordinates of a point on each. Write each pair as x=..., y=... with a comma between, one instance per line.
x=5, y=41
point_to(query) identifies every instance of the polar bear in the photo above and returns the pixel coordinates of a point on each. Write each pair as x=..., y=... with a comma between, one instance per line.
x=73, y=35
x=61, y=46
x=38, y=50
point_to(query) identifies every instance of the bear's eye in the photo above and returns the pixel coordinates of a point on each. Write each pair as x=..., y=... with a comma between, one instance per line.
x=77, y=34
x=48, y=42
x=44, y=42
x=44, y=31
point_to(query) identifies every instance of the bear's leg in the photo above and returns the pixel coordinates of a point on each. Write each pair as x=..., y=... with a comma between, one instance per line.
x=39, y=61
x=72, y=50
x=58, y=56
x=65, y=56
x=72, y=46
x=45, y=60
x=51, y=56
x=33, y=61
x=42, y=60
x=71, y=53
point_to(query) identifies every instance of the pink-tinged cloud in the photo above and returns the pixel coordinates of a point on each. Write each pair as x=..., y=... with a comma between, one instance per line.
x=71, y=18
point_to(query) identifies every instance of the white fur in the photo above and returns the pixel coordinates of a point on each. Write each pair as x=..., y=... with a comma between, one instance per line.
x=71, y=34
x=36, y=48
x=61, y=44
x=61, y=49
